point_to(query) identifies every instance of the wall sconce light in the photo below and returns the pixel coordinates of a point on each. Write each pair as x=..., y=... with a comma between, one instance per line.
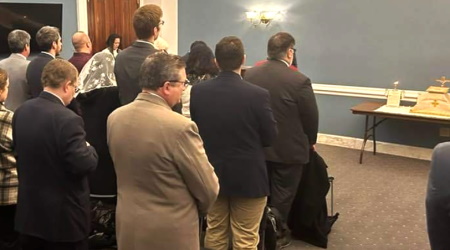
x=261, y=17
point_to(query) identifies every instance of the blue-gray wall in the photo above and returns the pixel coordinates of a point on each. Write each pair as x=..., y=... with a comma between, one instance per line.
x=69, y=21
x=353, y=42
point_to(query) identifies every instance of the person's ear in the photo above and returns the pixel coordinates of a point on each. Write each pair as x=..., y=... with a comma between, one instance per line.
x=67, y=86
x=244, y=59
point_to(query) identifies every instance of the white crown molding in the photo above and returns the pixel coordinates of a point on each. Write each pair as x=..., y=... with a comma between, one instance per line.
x=365, y=92
x=382, y=147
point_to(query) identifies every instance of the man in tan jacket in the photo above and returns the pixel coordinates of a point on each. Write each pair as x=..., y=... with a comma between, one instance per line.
x=164, y=179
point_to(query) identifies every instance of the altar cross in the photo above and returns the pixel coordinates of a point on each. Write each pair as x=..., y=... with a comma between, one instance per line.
x=443, y=81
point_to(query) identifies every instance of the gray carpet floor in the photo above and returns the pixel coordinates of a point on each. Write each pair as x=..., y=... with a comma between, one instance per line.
x=381, y=202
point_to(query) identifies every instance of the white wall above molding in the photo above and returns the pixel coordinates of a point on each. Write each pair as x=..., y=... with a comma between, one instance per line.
x=366, y=92
x=382, y=147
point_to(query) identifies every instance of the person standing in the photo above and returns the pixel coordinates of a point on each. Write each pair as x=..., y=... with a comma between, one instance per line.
x=9, y=238
x=49, y=41
x=83, y=50
x=295, y=110
x=235, y=121
x=53, y=162
x=147, y=24
x=16, y=66
x=164, y=178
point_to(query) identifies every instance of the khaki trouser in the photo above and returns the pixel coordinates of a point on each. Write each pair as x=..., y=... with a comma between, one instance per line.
x=240, y=215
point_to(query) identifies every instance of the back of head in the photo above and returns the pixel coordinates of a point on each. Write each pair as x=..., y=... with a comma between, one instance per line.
x=197, y=43
x=79, y=40
x=145, y=19
x=159, y=68
x=57, y=72
x=201, y=61
x=279, y=44
x=17, y=40
x=46, y=36
x=3, y=78
x=229, y=53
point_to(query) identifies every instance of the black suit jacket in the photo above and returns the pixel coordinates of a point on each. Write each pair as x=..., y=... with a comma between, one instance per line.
x=235, y=122
x=53, y=163
x=34, y=73
x=127, y=67
x=294, y=107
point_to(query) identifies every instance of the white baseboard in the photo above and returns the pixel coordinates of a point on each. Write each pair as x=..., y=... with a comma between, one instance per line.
x=382, y=147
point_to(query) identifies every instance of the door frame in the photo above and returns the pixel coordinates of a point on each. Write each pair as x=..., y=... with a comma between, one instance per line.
x=170, y=10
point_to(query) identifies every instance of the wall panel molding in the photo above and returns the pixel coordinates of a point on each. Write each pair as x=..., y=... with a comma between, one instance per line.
x=364, y=92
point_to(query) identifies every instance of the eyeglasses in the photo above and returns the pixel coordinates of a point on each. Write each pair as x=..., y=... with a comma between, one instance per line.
x=294, y=49
x=162, y=22
x=76, y=88
x=185, y=83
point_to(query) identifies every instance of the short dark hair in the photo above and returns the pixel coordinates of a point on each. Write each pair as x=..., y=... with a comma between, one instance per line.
x=197, y=43
x=145, y=19
x=17, y=40
x=279, y=44
x=159, y=68
x=3, y=78
x=111, y=39
x=57, y=72
x=201, y=61
x=46, y=36
x=229, y=53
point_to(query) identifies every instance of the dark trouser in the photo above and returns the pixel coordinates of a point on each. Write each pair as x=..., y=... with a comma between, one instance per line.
x=284, y=181
x=9, y=239
x=438, y=221
x=33, y=243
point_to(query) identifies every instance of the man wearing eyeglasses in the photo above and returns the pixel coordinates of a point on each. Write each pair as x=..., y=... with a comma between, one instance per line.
x=147, y=24
x=164, y=179
x=295, y=110
x=54, y=162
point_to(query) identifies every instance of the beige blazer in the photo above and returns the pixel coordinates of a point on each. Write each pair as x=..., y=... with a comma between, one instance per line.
x=164, y=178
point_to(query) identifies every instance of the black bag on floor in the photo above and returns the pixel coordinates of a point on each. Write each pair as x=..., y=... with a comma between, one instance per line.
x=103, y=224
x=270, y=229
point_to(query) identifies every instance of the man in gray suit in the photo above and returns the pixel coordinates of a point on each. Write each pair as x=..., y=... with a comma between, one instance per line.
x=16, y=66
x=147, y=24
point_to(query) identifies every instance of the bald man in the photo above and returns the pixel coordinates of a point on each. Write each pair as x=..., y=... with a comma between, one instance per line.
x=83, y=50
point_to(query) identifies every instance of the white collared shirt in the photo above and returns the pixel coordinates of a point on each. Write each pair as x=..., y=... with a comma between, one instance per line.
x=143, y=41
x=287, y=64
x=45, y=52
x=56, y=96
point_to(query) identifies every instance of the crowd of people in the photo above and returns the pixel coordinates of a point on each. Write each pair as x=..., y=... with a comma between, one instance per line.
x=168, y=140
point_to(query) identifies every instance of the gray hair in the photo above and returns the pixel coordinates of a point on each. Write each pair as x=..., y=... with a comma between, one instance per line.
x=159, y=68
x=17, y=40
x=46, y=36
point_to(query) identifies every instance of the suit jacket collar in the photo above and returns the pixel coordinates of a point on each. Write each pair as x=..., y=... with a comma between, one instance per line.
x=229, y=74
x=51, y=97
x=18, y=56
x=277, y=62
x=153, y=98
x=46, y=54
x=139, y=44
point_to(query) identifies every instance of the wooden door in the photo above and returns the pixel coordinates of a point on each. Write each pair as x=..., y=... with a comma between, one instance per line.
x=111, y=16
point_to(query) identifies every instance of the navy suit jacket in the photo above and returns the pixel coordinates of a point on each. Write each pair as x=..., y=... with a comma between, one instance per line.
x=53, y=163
x=127, y=67
x=235, y=122
x=294, y=107
x=34, y=73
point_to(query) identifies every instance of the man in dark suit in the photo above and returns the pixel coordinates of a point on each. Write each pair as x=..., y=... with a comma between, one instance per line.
x=295, y=110
x=147, y=25
x=16, y=66
x=49, y=41
x=235, y=121
x=53, y=162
